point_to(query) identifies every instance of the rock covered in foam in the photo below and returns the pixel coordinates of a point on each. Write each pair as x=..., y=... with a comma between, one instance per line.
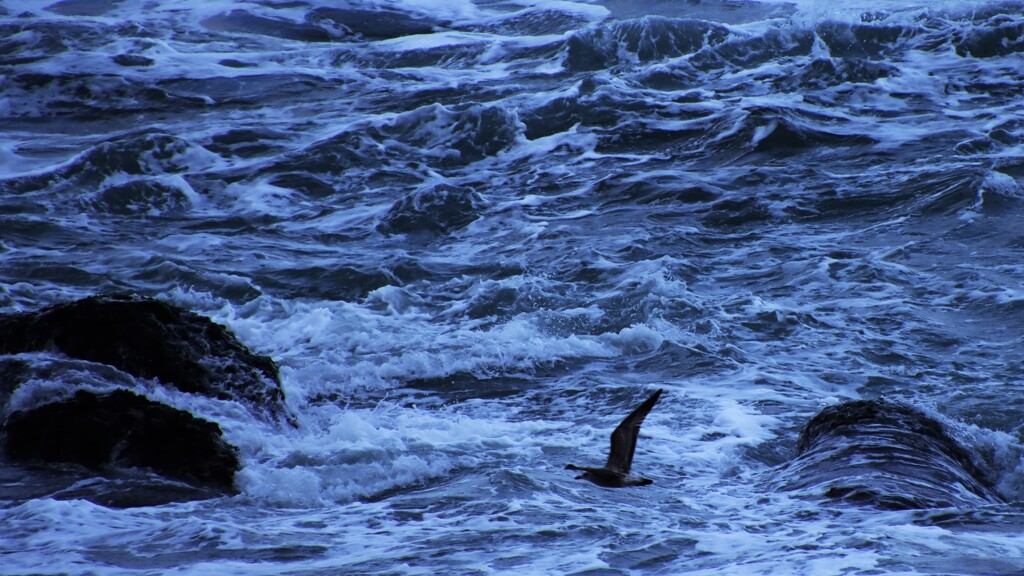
x=151, y=339
x=78, y=388
x=887, y=455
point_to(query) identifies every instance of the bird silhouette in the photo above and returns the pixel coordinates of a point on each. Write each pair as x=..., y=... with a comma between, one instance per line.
x=615, y=473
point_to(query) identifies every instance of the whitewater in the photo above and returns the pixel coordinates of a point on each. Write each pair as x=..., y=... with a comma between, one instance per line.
x=475, y=234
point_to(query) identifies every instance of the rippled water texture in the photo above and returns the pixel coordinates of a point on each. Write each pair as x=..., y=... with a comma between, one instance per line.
x=474, y=235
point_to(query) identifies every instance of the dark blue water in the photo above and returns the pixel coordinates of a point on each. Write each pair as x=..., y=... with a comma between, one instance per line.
x=475, y=234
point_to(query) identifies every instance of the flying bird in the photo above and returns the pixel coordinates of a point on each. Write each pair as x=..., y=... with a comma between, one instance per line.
x=615, y=473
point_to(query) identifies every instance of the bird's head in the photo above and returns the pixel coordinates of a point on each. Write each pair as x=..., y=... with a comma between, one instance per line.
x=584, y=476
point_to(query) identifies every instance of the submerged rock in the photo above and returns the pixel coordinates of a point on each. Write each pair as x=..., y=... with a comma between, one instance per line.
x=886, y=455
x=151, y=339
x=123, y=429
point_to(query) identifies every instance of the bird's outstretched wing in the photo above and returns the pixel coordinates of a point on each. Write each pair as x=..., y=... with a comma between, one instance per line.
x=620, y=459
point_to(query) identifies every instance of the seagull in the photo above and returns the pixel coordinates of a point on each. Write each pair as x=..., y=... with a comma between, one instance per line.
x=615, y=473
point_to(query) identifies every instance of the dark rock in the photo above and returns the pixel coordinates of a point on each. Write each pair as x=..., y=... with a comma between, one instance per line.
x=122, y=429
x=887, y=455
x=151, y=339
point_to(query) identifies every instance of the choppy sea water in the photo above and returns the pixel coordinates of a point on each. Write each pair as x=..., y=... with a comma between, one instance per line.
x=475, y=234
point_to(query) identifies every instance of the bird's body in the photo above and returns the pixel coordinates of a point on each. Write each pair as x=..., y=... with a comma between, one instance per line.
x=616, y=472
x=608, y=478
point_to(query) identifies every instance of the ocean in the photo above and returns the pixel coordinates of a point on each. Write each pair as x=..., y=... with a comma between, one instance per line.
x=475, y=234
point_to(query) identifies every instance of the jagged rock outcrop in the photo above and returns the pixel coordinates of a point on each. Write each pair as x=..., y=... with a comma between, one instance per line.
x=76, y=389
x=151, y=339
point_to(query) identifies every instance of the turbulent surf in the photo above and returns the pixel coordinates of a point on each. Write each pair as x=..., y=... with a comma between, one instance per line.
x=412, y=247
